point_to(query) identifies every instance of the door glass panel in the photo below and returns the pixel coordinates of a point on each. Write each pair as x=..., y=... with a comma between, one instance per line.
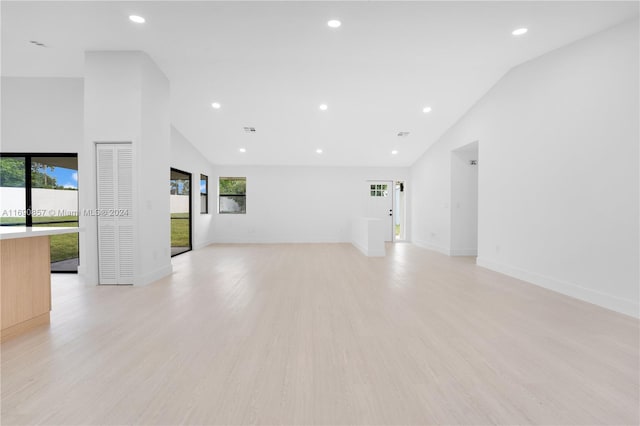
x=54, y=200
x=180, y=195
x=12, y=191
x=204, y=194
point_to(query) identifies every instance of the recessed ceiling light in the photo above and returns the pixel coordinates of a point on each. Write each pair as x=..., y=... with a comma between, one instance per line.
x=323, y=107
x=519, y=31
x=334, y=23
x=318, y=151
x=216, y=105
x=243, y=149
x=394, y=152
x=426, y=110
x=137, y=19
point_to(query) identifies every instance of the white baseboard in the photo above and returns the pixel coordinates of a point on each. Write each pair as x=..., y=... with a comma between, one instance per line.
x=368, y=253
x=463, y=252
x=360, y=247
x=89, y=281
x=201, y=245
x=377, y=253
x=624, y=306
x=153, y=275
x=430, y=246
x=261, y=241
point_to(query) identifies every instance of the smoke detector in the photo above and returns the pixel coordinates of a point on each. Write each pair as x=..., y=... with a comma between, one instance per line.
x=249, y=129
x=403, y=134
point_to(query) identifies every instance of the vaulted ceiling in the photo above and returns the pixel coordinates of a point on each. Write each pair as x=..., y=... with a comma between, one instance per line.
x=270, y=65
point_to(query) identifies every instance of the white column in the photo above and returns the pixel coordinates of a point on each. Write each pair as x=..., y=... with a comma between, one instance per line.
x=126, y=99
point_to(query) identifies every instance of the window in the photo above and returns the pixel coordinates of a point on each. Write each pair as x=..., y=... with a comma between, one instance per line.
x=233, y=198
x=378, y=190
x=204, y=194
x=42, y=190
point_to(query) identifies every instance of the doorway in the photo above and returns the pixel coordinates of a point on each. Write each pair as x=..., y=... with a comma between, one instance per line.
x=379, y=204
x=180, y=204
x=399, y=212
x=464, y=200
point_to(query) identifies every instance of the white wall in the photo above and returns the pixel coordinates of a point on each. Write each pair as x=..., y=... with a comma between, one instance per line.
x=42, y=114
x=368, y=235
x=558, y=172
x=154, y=156
x=127, y=100
x=185, y=157
x=47, y=115
x=297, y=204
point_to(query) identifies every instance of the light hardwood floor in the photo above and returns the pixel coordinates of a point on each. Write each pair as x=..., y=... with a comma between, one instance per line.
x=319, y=334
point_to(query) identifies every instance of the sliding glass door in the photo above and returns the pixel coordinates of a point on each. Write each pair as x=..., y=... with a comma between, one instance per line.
x=13, y=191
x=54, y=198
x=42, y=190
x=180, y=198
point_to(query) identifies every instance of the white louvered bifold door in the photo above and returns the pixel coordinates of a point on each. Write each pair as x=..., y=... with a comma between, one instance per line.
x=115, y=206
x=107, y=241
x=124, y=198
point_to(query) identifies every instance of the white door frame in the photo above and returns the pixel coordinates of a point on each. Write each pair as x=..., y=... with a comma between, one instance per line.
x=402, y=214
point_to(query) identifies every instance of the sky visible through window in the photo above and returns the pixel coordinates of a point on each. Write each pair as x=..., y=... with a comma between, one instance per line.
x=64, y=177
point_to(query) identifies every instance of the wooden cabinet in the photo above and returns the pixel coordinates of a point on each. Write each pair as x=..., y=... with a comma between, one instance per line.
x=25, y=284
x=25, y=277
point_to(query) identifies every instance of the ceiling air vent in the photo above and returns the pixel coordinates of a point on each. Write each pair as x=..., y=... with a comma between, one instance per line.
x=249, y=129
x=403, y=134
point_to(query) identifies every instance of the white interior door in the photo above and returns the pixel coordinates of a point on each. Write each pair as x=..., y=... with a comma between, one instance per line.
x=115, y=222
x=380, y=204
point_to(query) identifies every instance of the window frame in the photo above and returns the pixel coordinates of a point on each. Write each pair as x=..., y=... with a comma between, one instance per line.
x=28, y=186
x=205, y=193
x=244, y=178
x=190, y=179
x=378, y=190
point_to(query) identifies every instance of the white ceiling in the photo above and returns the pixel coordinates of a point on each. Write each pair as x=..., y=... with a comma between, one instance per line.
x=271, y=64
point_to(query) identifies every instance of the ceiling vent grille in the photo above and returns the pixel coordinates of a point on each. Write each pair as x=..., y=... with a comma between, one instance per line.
x=403, y=134
x=249, y=129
